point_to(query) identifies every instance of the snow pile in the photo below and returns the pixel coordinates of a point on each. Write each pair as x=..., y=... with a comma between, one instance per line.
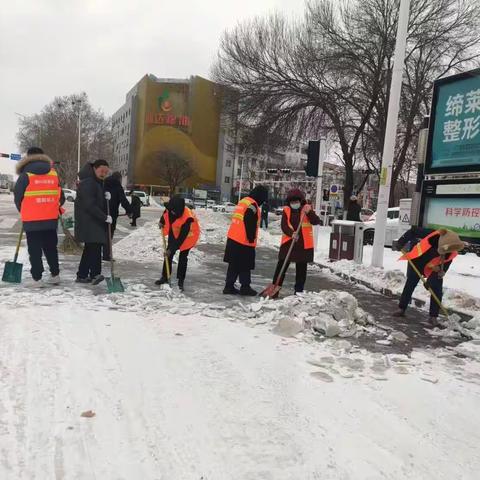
x=142, y=245
x=325, y=313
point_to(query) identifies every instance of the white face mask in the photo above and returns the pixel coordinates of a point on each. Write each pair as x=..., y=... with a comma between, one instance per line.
x=295, y=205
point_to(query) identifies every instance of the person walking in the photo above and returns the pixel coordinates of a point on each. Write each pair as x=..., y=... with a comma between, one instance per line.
x=265, y=210
x=432, y=252
x=136, y=209
x=91, y=220
x=39, y=197
x=354, y=210
x=242, y=241
x=296, y=210
x=181, y=226
x=117, y=197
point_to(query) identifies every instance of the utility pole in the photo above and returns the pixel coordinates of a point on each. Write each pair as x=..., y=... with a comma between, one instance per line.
x=319, y=194
x=390, y=135
x=241, y=181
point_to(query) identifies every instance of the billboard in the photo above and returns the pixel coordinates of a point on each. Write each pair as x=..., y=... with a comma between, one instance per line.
x=462, y=215
x=454, y=136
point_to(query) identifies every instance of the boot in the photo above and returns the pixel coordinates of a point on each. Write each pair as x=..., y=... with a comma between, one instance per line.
x=83, y=280
x=181, y=282
x=230, y=290
x=162, y=281
x=399, y=313
x=248, y=291
x=98, y=279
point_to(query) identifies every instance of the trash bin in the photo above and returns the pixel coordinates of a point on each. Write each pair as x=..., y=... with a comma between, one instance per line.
x=346, y=241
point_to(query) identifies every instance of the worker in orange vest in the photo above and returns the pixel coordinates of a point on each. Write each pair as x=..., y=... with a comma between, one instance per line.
x=242, y=241
x=295, y=209
x=181, y=226
x=432, y=253
x=38, y=198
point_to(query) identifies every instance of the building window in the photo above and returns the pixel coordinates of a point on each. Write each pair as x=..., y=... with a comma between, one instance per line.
x=228, y=163
x=227, y=179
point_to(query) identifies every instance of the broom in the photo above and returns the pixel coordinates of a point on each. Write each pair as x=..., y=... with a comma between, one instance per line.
x=70, y=245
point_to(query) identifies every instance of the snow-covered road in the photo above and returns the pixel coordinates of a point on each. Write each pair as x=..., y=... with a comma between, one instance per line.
x=188, y=398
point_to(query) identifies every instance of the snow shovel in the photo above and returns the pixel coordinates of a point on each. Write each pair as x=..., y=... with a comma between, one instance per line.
x=166, y=260
x=12, y=272
x=274, y=288
x=114, y=284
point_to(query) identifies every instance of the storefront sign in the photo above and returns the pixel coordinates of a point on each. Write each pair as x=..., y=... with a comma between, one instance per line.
x=171, y=120
x=455, y=140
x=462, y=215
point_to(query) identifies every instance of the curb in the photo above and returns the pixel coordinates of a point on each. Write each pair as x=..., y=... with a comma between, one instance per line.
x=387, y=292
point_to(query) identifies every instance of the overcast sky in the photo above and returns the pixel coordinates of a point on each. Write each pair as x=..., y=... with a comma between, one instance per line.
x=103, y=47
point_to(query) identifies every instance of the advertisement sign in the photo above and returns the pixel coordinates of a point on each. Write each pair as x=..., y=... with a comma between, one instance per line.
x=200, y=194
x=454, y=137
x=462, y=215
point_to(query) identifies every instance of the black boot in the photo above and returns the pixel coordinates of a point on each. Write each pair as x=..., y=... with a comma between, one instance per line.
x=230, y=290
x=162, y=281
x=181, y=282
x=248, y=291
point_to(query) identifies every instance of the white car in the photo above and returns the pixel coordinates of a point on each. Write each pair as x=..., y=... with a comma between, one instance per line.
x=393, y=221
x=225, y=207
x=70, y=195
x=144, y=198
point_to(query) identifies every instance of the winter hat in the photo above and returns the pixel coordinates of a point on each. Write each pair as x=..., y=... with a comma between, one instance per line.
x=259, y=194
x=176, y=205
x=295, y=194
x=117, y=176
x=35, y=151
x=449, y=242
x=99, y=163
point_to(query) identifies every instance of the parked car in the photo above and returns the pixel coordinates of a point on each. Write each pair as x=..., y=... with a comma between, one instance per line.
x=144, y=197
x=366, y=214
x=70, y=195
x=393, y=223
x=225, y=207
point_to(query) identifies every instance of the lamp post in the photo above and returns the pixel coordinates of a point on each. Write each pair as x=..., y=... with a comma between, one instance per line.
x=79, y=102
x=390, y=135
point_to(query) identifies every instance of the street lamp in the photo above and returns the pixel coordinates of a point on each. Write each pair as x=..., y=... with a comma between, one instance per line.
x=79, y=102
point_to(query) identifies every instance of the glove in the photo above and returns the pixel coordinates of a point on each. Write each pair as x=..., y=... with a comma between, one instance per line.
x=296, y=236
x=108, y=219
x=108, y=196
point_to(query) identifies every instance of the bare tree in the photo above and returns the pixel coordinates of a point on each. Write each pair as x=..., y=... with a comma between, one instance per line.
x=329, y=74
x=55, y=129
x=172, y=168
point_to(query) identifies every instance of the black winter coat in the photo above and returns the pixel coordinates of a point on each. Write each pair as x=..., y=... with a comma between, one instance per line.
x=38, y=164
x=353, y=212
x=299, y=253
x=90, y=208
x=115, y=188
x=136, y=206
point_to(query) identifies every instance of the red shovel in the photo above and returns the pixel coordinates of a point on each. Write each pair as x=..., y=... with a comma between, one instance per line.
x=272, y=290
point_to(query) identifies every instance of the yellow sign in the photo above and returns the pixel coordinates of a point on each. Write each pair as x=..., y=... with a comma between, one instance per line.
x=383, y=176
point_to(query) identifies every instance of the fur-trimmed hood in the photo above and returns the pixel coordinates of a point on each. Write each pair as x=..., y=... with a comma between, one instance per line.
x=28, y=159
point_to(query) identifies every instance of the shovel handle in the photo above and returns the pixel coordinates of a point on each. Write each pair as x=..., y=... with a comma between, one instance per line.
x=19, y=241
x=424, y=281
x=289, y=253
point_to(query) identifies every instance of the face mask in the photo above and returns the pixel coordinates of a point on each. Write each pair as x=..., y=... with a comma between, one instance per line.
x=295, y=205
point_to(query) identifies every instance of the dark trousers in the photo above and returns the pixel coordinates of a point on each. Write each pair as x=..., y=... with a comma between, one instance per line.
x=182, y=265
x=436, y=284
x=134, y=221
x=264, y=221
x=43, y=242
x=300, y=274
x=91, y=261
x=233, y=272
x=106, y=247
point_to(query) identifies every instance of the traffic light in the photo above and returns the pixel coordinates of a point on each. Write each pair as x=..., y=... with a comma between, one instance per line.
x=4, y=155
x=313, y=155
x=326, y=194
x=286, y=170
x=272, y=171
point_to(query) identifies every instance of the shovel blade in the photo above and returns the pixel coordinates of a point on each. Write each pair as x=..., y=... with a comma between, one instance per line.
x=12, y=272
x=271, y=291
x=115, y=285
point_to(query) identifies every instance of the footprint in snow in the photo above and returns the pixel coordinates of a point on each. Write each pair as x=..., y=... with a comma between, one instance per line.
x=322, y=376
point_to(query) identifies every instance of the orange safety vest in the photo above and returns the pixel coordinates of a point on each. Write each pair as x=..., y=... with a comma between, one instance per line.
x=424, y=246
x=237, y=231
x=41, y=200
x=193, y=234
x=307, y=229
